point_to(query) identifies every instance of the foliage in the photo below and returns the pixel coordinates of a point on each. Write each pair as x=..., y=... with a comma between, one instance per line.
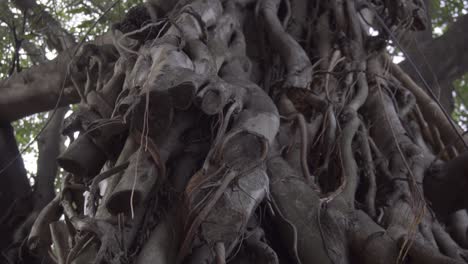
x=10, y=24
x=77, y=16
x=27, y=128
x=460, y=114
x=445, y=12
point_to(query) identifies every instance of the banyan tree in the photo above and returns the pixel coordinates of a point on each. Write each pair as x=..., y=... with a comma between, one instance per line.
x=247, y=131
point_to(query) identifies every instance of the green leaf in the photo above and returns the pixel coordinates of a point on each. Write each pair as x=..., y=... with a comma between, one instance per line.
x=86, y=24
x=79, y=10
x=29, y=37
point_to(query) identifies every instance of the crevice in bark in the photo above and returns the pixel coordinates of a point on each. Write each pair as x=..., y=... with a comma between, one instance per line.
x=188, y=141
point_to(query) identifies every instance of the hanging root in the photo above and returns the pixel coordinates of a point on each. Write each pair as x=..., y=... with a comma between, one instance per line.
x=297, y=62
x=240, y=131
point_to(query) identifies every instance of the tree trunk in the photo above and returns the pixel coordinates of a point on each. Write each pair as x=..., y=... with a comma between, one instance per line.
x=15, y=192
x=245, y=131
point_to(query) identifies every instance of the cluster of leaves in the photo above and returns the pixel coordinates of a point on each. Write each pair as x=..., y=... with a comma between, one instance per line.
x=12, y=29
x=26, y=128
x=80, y=16
x=25, y=131
x=460, y=95
x=77, y=17
x=445, y=12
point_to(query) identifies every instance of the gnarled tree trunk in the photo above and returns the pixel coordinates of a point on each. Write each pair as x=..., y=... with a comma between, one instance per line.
x=243, y=131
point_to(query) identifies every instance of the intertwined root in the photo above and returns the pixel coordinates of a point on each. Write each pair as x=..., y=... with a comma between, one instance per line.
x=310, y=151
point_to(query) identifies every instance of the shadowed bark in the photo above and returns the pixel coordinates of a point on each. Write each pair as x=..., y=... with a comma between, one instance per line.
x=440, y=60
x=192, y=148
x=15, y=191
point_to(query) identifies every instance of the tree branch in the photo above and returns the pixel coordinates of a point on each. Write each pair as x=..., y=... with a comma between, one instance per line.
x=36, y=89
x=441, y=60
x=49, y=148
x=15, y=186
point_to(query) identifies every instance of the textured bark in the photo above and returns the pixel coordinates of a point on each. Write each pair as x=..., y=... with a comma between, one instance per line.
x=445, y=186
x=15, y=200
x=440, y=60
x=50, y=143
x=36, y=90
x=195, y=149
x=40, y=87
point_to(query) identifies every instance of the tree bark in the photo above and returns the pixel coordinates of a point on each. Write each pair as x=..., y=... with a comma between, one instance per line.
x=194, y=149
x=440, y=60
x=15, y=190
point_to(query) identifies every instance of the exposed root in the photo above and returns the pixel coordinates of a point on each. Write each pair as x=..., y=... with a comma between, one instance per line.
x=192, y=124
